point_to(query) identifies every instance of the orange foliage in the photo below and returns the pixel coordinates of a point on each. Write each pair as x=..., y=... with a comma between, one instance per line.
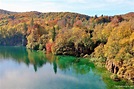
x=49, y=47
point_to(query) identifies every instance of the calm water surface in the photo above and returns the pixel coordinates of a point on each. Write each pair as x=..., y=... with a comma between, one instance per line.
x=21, y=68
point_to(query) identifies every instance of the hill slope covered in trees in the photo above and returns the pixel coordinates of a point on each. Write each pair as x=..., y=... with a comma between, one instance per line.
x=108, y=39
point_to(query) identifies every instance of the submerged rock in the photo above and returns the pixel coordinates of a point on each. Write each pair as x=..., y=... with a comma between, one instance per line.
x=77, y=60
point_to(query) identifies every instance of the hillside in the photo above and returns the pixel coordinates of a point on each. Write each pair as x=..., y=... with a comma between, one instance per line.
x=109, y=40
x=6, y=12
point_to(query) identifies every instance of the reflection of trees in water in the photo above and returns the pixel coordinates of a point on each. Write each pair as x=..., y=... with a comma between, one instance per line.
x=21, y=54
x=82, y=67
x=52, y=59
x=55, y=66
x=68, y=62
x=18, y=54
x=38, y=59
x=64, y=63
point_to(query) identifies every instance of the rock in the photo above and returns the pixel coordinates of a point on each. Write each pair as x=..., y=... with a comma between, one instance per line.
x=81, y=55
x=123, y=69
x=129, y=74
x=44, y=50
x=65, y=53
x=113, y=66
x=85, y=56
x=77, y=60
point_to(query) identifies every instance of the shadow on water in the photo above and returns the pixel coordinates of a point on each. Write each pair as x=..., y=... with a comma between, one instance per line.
x=67, y=65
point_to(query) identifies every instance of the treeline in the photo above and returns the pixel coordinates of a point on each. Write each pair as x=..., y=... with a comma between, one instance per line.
x=109, y=39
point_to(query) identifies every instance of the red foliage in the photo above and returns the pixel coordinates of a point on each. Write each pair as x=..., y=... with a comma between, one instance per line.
x=62, y=23
x=78, y=23
x=36, y=26
x=117, y=19
x=52, y=22
x=48, y=47
x=29, y=30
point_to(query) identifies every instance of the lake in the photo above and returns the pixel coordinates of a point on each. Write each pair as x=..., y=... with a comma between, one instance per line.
x=21, y=68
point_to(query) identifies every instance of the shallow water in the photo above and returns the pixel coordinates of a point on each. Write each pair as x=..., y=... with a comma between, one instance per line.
x=21, y=68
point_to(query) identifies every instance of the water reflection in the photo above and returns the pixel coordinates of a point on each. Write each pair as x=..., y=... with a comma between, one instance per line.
x=22, y=68
x=38, y=59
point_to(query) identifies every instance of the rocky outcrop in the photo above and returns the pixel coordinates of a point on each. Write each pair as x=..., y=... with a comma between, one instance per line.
x=113, y=66
x=123, y=69
x=127, y=70
x=67, y=49
x=71, y=49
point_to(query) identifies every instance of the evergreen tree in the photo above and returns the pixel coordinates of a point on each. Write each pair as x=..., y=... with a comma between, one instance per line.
x=53, y=34
x=32, y=22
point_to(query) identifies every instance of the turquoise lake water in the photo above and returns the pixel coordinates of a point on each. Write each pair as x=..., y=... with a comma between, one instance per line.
x=21, y=68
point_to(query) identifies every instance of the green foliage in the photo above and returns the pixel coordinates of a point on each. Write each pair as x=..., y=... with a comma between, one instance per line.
x=109, y=37
x=25, y=27
x=41, y=47
x=119, y=45
x=104, y=38
x=99, y=51
x=32, y=22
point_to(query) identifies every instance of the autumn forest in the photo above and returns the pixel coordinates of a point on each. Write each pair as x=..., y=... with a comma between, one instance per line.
x=108, y=40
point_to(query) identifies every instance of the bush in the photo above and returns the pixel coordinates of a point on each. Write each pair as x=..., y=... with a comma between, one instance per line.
x=41, y=47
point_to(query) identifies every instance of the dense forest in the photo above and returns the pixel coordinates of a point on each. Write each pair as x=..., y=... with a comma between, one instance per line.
x=108, y=40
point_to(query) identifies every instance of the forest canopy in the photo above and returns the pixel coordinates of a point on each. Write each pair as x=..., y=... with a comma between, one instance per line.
x=104, y=37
